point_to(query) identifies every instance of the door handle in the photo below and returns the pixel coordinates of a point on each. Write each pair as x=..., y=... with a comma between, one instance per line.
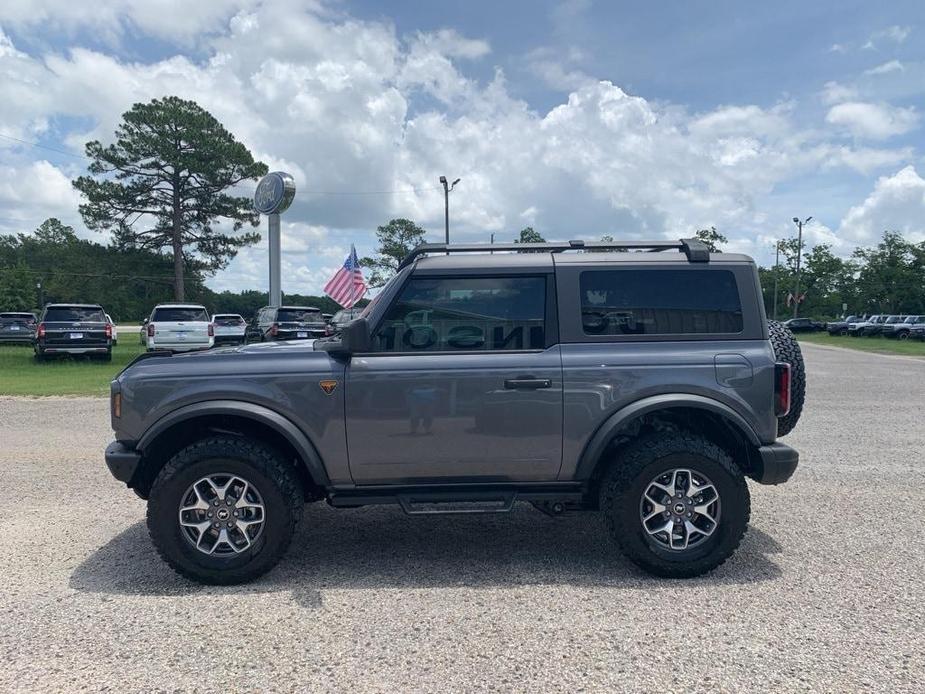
x=527, y=383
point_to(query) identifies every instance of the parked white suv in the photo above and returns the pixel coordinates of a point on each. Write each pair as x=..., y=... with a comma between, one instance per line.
x=229, y=328
x=180, y=328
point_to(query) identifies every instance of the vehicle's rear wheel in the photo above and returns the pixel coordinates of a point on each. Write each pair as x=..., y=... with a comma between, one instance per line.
x=787, y=349
x=223, y=510
x=676, y=504
x=903, y=335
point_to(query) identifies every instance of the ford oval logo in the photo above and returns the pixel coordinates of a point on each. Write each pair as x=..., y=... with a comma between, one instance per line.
x=274, y=193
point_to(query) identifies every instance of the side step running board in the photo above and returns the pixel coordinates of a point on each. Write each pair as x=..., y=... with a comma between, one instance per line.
x=443, y=504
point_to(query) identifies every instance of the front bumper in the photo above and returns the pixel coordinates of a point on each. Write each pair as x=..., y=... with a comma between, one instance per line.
x=775, y=463
x=122, y=461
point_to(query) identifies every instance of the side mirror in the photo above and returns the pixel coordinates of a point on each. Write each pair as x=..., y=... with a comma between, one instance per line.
x=354, y=338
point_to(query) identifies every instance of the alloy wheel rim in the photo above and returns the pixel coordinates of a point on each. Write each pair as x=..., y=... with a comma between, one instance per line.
x=680, y=509
x=222, y=514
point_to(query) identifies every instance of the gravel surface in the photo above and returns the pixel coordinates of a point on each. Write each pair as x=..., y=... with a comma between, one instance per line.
x=827, y=591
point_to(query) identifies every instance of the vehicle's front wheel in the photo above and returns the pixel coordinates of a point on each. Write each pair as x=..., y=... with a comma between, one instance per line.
x=223, y=510
x=676, y=504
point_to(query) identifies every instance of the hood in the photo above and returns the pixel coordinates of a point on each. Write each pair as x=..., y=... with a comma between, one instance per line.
x=267, y=357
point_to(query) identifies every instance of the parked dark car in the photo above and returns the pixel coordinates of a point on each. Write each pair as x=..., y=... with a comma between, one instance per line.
x=17, y=327
x=803, y=325
x=73, y=329
x=901, y=329
x=287, y=323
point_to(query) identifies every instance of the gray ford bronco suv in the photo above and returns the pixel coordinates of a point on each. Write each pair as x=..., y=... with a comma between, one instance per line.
x=643, y=385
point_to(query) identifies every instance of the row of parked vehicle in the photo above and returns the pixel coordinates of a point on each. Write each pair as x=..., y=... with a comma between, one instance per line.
x=187, y=327
x=901, y=327
x=86, y=329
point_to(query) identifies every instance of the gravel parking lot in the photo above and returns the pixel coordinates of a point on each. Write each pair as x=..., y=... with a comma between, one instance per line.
x=826, y=593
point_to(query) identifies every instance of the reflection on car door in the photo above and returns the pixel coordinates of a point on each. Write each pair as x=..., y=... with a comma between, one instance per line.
x=463, y=383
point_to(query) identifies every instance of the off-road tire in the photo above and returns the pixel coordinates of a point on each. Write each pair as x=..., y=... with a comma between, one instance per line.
x=262, y=466
x=787, y=349
x=629, y=475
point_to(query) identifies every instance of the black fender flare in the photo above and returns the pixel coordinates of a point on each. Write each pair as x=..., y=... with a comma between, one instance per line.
x=596, y=445
x=248, y=410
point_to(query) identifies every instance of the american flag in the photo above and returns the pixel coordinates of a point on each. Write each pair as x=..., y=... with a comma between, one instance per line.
x=347, y=286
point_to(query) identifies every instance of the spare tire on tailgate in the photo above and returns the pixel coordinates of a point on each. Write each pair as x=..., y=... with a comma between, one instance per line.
x=786, y=349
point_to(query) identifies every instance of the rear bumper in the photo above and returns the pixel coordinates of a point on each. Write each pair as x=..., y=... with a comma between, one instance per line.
x=97, y=349
x=122, y=461
x=776, y=463
x=25, y=339
x=225, y=339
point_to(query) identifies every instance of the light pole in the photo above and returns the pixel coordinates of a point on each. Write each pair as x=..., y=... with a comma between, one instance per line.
x=796, y=291
x=776, y=273
x=447, y=187
x=38, y=285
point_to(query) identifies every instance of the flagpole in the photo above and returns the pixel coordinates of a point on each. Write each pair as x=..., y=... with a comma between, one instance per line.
x=353, y=287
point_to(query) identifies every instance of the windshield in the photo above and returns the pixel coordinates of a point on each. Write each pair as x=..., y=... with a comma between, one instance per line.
x=852, y=319
x=894, y=319
x=177, y=314
x=75, y=314
x=298, y=315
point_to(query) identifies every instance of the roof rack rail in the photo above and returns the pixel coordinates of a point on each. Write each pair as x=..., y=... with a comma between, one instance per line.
x=695, y=249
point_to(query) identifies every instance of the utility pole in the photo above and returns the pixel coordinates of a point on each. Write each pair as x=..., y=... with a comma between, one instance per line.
x=776, y=273
x=447, y=187
x=796, y=291
x=492, y=243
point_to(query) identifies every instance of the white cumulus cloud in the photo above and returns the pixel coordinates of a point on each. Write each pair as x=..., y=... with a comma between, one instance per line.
x=872, y=121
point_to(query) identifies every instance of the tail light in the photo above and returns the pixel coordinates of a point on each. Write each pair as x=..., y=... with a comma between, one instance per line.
x=117, y=405
x=211, y=330
x=150, y=329
x=274, y=329
x=40, y=331
x=781, y=389
x=108, y=331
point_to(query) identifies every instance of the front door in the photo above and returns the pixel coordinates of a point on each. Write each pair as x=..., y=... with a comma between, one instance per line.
x=463, y=383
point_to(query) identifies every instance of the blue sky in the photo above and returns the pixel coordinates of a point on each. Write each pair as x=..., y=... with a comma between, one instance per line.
x=579, y=118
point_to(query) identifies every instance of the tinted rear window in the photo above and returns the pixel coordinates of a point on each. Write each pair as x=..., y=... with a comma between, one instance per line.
x=74, y=314
x=228, y=320
x=300, y=315
x=659, y=302
x=170, y=314
x=17, y=318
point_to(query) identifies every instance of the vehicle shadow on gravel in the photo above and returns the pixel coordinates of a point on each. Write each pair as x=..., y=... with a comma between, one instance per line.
x=380, y=547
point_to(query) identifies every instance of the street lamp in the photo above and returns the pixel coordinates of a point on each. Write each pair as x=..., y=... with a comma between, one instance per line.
x=447, y=187
x=796, y=291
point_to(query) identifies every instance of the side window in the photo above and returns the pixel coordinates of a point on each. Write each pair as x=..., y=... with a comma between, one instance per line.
x=659, y=302
x=450, y=314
